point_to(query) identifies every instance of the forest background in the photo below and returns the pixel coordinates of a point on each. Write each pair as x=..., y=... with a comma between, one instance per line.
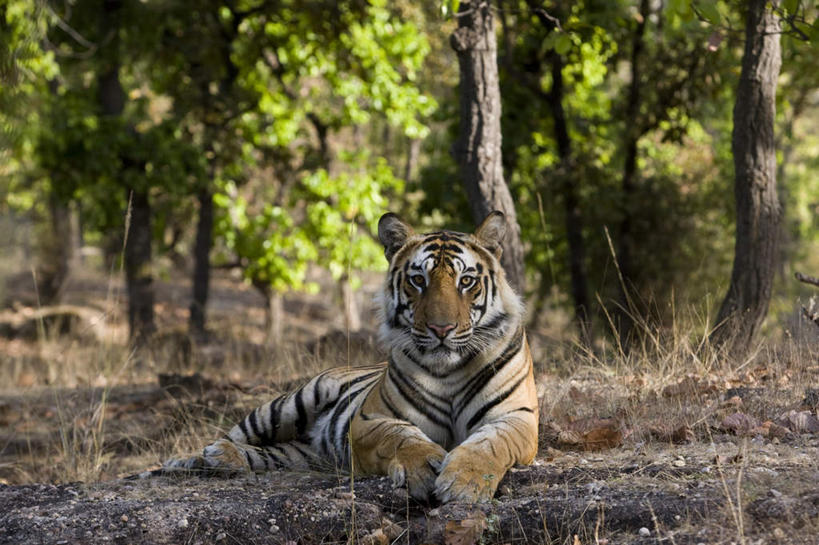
x=257, y=143
x=270, y=138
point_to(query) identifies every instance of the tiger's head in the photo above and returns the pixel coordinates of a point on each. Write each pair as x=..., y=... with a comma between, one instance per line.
x=446, y=298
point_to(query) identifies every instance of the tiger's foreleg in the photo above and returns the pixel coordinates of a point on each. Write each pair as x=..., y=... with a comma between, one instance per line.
x=393, y=447
x=472, y=470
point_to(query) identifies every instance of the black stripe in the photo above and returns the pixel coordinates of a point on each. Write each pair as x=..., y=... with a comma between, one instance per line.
x=434, y=372
x=488, y=405
x=243, y=427
x=274, y=419
x=395, y=412
x=301, y=421
x=429, y=397
x=346, y=386
x=482, y=378
x=492, y=325
x=340, y=408
x=413, y=385
x=418, y=404
x=336, y=407
x=254, y=424
x=317, y=390
x=341, y=441
x=278, y=462
x=525, y=409
x=301, y=450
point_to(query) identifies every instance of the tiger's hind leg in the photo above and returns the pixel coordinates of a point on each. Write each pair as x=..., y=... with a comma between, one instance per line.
x=226, y=458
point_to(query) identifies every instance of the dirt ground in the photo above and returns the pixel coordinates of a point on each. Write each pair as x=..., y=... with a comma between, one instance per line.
x=660, y=447
x=629, y=495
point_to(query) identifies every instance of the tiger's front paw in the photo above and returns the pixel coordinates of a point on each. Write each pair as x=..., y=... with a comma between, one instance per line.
x=220, y=458
x=417, y=466
x=467, y=476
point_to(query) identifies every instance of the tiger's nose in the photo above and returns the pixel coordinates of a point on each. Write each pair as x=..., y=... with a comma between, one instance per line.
x=441, y=330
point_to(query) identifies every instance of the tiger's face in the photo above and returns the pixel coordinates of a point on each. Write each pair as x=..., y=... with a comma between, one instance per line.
x=446, y=296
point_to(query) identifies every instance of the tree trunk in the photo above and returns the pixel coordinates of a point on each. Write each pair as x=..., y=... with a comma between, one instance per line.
x=56, y=252
x=757, y=204
x=274, y=316
x=574, y=219
x=413, y=154
x=352, y=316
x=624, y=319
x=138, y=275
x=478, y=147
x=201, y=267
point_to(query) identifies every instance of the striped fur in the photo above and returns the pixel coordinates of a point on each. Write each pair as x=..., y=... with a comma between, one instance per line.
x=449, y=413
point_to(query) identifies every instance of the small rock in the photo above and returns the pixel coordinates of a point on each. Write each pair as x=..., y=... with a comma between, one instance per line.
x=644, y=532
x=124, y=518
x=183, y=523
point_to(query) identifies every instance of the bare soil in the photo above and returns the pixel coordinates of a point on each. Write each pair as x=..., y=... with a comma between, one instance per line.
x=621, y=497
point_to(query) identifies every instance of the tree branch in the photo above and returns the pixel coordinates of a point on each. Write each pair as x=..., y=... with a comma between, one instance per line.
x=807, y=279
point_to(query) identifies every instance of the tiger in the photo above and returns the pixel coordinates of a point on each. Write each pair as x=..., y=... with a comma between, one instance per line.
x=446, y=416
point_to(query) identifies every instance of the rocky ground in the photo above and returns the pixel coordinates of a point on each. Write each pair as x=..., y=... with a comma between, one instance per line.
x=685, y=494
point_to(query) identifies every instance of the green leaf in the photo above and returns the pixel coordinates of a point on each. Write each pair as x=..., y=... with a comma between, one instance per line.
x=563, y=43
x=710, y=11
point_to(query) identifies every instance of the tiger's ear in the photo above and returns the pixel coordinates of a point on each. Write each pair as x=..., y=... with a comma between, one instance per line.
x=393, y=233
x=490, y=232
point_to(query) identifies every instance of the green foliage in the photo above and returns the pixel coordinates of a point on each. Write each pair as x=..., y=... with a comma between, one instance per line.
x=25, y=67
x=337, y=221
x=312, y=81
x=297, y=115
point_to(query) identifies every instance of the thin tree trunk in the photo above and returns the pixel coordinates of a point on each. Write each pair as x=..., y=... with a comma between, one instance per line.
x=201, y=267
x=626, y=242
x=138, y=276
x=413, y=154
x=274, y=317
x=478, y=147
x=574, y=219
x=56, y=252
x=352, y=316
x=758, y=209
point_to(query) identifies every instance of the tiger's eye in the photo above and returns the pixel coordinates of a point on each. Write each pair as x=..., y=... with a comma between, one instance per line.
x=467, y=282
x=418, y=280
